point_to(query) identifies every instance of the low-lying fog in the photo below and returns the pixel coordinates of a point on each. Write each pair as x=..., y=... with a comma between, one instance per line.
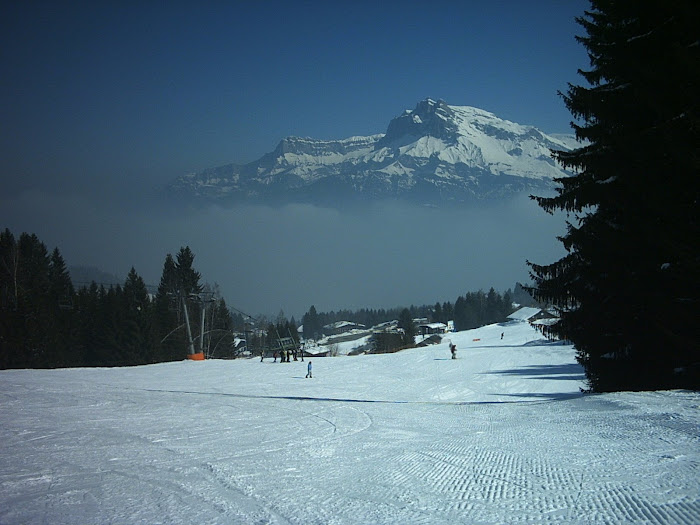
x=266, y=259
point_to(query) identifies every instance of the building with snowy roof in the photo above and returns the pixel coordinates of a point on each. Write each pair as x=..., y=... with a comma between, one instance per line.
x=341, y=327
x=432, y=328
x=530, y=314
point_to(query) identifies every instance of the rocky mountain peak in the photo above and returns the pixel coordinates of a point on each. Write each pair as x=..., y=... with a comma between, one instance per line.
x=428, y=119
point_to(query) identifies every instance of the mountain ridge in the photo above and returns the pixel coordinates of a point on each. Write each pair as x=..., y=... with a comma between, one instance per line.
x=432, y=154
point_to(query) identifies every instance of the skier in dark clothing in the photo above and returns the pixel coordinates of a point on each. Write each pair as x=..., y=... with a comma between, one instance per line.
x=308, y=374
x=453, y=350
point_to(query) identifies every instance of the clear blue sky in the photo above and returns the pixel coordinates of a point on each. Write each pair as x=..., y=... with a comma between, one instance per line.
x=100, y=97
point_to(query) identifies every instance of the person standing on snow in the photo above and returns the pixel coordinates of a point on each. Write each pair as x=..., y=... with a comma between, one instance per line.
x=453, y=350
x=308, y=374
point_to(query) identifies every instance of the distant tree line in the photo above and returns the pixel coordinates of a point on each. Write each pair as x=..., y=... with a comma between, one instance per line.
x=313, y=321
x=45, y=322
x=478, y=309
x=472, y=310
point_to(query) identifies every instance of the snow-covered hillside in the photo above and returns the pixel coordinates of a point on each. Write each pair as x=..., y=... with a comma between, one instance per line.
x=500, y=435
x=433, y=153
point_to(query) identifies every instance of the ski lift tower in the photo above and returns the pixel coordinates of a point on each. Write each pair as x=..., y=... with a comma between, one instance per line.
x=193, y=355
x=204, y=298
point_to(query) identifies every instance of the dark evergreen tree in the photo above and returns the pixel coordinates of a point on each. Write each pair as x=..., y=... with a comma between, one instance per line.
x=168, y=285
x=479, y=301
x=448, y=311
x=467, y=312
x=61, y=319
x=189, y=287
x=35, y=303
x=60, y=285
x=438, y=317
x=178, y=288
x=87, y=307
x=270, y=343
x=187, y=277
x=167, y=315
x=493, y=307
x=311, y=324
x=137, y=316
x=406, y=324
x=9, y=291
x=9, y=265
x=292, y=330
x=111, y=334
x=460, y=316
x=34, y=307
x=628, y=288
x=219, y=331
x=386, y=342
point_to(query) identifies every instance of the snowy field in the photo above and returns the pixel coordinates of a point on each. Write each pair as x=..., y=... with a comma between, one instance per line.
x=500, y=435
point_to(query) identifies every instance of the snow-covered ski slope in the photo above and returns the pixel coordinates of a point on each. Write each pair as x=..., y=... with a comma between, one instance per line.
x=500, y=435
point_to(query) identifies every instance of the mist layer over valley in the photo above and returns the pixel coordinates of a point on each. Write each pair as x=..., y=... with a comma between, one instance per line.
x=266, y=259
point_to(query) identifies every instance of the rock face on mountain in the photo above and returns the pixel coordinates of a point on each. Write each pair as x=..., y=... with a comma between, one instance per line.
x=433, y=154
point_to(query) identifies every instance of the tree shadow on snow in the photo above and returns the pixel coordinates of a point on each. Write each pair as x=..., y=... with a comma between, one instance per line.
x=550, y=396
x=535, y=342
x=572, y=372
x=368, y=401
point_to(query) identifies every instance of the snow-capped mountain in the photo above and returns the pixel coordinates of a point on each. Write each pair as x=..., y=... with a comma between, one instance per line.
x=431, y=154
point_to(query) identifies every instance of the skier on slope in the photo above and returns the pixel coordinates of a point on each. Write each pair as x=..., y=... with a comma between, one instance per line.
x=453, y=350
x=308, y=374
